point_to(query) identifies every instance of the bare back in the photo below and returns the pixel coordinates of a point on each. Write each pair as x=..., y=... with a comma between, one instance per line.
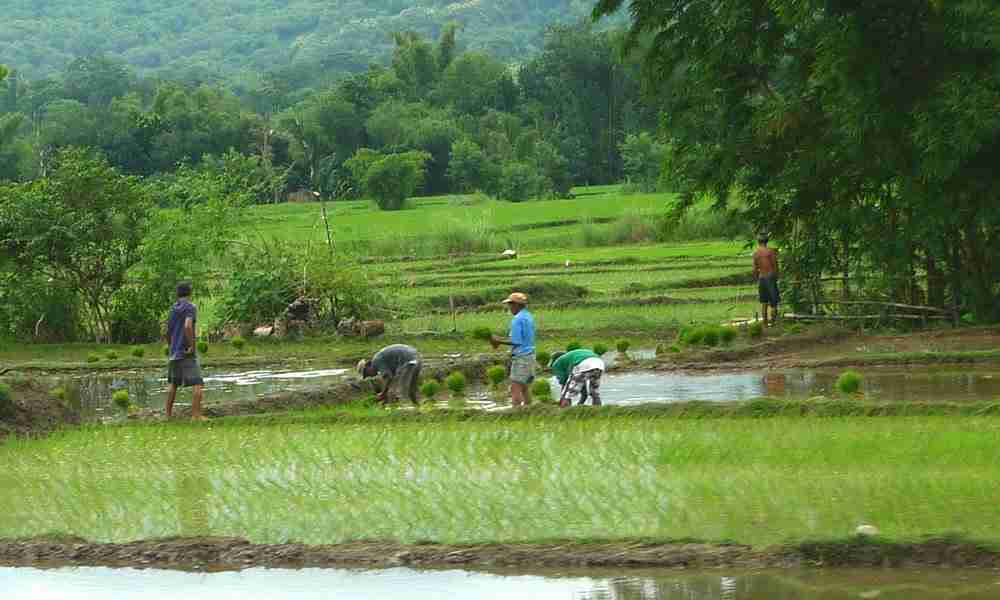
x=765, y=262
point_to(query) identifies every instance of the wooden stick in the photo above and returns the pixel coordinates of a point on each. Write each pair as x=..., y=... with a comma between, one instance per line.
x=888, y=304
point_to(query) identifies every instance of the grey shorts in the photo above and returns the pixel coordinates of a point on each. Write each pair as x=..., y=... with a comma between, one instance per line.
x=408, y=380
x=522, y=369
x=767, y=290
x=185, y=372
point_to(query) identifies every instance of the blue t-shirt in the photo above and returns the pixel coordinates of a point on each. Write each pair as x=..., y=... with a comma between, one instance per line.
x=522, y=333
x=181, y=310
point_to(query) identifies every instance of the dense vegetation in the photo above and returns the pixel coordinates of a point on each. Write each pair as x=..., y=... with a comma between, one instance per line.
x=305, y=40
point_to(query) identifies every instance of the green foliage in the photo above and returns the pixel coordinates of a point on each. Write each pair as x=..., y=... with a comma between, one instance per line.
x=543, y=358
x=482, y=333
x=467, y=167
x=6, y=401
x=541, y=391
x=520, y=181
x=727, y=335
x=202, y=347
x=573, y=346
x=600, y=349
x=674, y=349
x=121, y=399
x=389, y=179
x=166, y=350
x=239, y=343
x=711, y=336
x=456, y=383
x=622, y=346
x=93, y=357
x=430, y=389
x=138, y=352
x=756, y=329
x=642, y=157
x=496, y=374
x=849, y=382
x=58, y=393
x=707, y=335
x=111, y=355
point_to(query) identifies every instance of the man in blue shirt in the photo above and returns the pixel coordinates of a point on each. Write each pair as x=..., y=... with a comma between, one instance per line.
x=183, y=369
x=522, y=354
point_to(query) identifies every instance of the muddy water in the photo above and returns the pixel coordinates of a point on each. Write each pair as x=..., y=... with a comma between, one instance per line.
x=917, y=385
x=149, y=389
x=124, y=584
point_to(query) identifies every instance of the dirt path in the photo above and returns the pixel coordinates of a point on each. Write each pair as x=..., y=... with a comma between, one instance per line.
x=209, y=554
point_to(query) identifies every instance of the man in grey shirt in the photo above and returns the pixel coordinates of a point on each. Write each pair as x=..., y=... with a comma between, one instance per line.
x=397, y=363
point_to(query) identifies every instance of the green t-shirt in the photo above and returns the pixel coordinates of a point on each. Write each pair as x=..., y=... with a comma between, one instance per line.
x=563, y=367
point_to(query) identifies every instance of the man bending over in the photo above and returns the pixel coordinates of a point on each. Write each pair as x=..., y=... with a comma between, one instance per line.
x=397, y=364
x=579, y=373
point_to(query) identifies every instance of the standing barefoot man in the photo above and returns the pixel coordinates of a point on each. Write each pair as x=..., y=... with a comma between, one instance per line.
x=765, y=271
x=183, y=368
x=522, y=354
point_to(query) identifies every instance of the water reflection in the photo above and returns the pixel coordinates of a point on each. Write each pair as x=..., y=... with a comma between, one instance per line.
x=94, y=583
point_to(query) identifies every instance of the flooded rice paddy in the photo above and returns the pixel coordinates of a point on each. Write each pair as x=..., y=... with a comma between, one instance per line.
x=149, y=389
x=123, y=584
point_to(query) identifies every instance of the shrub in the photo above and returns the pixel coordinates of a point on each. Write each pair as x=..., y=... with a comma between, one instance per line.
x=541, y=390
x=600, y=349
x=482, y=333
x=93, y=357
x=849, y=382
x=430, y=388
x=756, y=329
x=111, y=355
x=456, y=383
x=202, y=347
x=727, y=335
x=543, y=359
x=573, y=346
x=496, y=375
x=138, y=352
x=238, y=342
x=623, y=346
x=121, y=399
x=6, y=401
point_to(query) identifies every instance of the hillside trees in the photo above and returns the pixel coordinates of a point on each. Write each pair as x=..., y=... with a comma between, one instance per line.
x=862, y=134
x=389, y=178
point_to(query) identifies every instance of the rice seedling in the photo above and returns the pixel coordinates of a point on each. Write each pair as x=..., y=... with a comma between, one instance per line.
x=622, y=346
x=543, y=359
x=482, y=333
x=138, y=352
x=600, y=349
x=541, y=391
x=849, y=382
x=430, y=389
x=121, y=399
x=727, y=335
x=93, y=357
x=756, y=329
x=456, y=383
x=202, y=347
x=238, y=343
x=573, y=346
x=111, y=355
x=496, y=376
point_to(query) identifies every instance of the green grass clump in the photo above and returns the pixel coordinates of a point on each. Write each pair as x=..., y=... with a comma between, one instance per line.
x=6, y=401
x=58, y=393
x=202, y=347
x=456, y=383
x=543, y=359
x=93, y=357
x=623, y=345
x=573, y=346
x=138, y=352
x=756, y=329
x=111, y=355
x=711, y=337
x=849, y=382
x=496, y=375
x=727, y=335
x=238, y=342
x=121, y=399
x=600, y=349
x=430, y=389
x=541, y=391
x=482, y=333
x=674, y=349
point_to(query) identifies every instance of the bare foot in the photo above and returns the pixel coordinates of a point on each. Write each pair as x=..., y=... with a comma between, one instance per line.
x=199, y=418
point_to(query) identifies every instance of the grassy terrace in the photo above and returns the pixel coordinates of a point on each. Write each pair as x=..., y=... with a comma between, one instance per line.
x=757, y=481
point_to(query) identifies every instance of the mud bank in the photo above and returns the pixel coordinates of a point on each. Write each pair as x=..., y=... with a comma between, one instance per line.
x=212, y=554
x=35, y=410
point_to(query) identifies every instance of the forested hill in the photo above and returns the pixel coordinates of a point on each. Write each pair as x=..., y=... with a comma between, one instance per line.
x=206, y=40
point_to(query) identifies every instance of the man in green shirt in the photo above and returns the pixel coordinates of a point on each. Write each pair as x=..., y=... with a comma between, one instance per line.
x=579, y=372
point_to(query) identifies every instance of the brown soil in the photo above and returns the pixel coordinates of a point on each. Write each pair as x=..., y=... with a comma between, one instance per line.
x=233, y=553
x=35, y=411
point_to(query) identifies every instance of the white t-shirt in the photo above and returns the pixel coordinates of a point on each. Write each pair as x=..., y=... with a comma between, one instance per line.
x=590, y=364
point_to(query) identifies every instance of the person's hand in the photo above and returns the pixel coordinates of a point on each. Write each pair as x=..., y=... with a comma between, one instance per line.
x=380, y=397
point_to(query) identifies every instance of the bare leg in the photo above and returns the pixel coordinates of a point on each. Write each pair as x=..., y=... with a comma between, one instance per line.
x=171, y=396
x=517, y=394
x=196, y=395
x=526, y=395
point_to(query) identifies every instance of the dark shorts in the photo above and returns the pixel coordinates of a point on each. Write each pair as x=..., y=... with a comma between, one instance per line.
x=767, y=289
x=185, y=372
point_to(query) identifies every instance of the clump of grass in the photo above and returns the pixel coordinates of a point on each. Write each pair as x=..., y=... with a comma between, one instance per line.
x=543, y=359
x=542, y=391
x=482, y=333
x=121, y=399
x=239, y=343
x=202, y=347
x=756, y=329
x=674, y=349
x=711, y=337
x=623, y=345
x=138, y=351
x=111, y=355
x=600, y=349
x=849, y=382
x=430, y=389
x=58, y=393
x=727, y=335
x=93, y=357
x=573, y=346
x=496, y=375
x=6, y=401
x=456, y=383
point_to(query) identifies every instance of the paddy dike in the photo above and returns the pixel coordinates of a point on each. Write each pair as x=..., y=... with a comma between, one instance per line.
x=214, y=554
